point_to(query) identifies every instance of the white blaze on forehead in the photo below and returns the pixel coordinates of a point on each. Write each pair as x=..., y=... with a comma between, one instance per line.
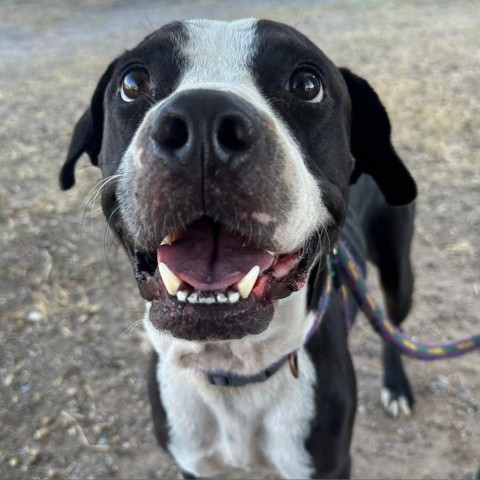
x=219, y=52
x=220, y=56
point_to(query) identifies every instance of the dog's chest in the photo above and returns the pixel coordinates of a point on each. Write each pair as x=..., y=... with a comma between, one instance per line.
x=217, y=429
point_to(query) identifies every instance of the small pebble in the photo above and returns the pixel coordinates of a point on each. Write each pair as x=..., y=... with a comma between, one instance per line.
x=54, y=473
x=34, y=456
x=41, y=434
x=35, y=316
x=439, y=384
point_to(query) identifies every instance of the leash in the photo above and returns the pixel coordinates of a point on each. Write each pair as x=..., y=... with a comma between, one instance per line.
x=345, y=275
x=344, y=266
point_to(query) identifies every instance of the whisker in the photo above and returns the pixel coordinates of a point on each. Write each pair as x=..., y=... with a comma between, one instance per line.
x=130, y=329
x=114, y=243
x=146, y=27
x=91, y=214
x=107, y=231
x=95, y=192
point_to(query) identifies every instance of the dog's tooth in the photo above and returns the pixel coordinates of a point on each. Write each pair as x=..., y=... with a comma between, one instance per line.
x=171, y=281
x=172, y=237
x=233, y=297
x=193, y=298
x=167, y=240
x=221, y=298
x=208, y=299
x=245, y=285
x=182, y=295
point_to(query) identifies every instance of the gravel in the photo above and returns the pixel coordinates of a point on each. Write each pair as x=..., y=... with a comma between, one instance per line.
x=73, y=356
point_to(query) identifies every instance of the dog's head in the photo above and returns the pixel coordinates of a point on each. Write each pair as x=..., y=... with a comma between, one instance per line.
x=227, y=151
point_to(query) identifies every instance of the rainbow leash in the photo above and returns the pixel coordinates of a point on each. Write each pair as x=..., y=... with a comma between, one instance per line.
x=344, y=260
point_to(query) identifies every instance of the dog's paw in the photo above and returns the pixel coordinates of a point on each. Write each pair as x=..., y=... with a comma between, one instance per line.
x=395, y=405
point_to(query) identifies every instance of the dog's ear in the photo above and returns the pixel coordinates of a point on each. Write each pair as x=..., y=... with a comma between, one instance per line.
x=371, y=145
x=88, y=132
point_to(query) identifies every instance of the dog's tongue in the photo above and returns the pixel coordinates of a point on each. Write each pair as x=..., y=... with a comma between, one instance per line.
x=209, y=258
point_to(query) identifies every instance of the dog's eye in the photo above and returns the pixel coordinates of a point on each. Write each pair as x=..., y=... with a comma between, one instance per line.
x=134, y=84
x=305, y=83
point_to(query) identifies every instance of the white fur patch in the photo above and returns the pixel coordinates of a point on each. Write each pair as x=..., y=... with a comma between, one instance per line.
x=215, y=429
x=219, y=56
x=394, y=406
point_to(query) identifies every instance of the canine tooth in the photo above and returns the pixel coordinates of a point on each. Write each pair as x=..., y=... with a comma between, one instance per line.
x=221, y=298
x=245, y=285
x=171, y=281
x=233, y=297
x=182, y=295
x=193, y=298
x=171, y=237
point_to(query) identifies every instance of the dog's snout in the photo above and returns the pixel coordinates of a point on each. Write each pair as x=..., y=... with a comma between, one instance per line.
x=214, y=127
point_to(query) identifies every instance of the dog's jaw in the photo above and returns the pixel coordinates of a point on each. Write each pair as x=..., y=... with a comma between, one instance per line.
x=231, y=309
x=287, y=331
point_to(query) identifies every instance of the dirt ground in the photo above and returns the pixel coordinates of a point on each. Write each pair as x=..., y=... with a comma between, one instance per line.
x=72, y=356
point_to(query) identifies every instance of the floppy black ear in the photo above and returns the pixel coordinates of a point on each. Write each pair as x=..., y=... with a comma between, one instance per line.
x=371, y=145
x=87, y=135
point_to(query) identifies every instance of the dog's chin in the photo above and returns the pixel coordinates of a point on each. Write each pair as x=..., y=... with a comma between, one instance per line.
x=219, y=321
x=211, y=322
x=212, y=290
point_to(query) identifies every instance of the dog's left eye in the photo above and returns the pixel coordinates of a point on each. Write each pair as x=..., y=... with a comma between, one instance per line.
x=306, y=84
x=134, y=83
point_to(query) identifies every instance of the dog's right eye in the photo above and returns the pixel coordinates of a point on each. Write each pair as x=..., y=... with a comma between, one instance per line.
x=134, y=84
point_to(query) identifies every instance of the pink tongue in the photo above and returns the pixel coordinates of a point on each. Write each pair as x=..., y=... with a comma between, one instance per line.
x=210, y=260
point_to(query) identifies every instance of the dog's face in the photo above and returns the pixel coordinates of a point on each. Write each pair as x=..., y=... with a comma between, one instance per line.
x=227, y=151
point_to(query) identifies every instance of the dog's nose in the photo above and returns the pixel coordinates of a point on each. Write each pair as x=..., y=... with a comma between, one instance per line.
x=214, y=127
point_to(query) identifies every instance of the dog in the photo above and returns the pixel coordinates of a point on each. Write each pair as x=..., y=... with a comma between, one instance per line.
x=234, y=156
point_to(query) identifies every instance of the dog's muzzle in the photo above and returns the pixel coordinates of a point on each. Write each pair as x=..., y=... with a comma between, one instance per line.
x=205, y=193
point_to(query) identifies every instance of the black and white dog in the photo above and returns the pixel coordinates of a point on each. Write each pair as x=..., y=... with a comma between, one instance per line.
x=234, y=156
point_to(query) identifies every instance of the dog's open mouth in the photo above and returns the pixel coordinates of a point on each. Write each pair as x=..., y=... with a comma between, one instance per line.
x=207, y=282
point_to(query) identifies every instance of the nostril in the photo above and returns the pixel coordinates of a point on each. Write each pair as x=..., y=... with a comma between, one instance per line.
x=234, y=134
x=172, y=133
